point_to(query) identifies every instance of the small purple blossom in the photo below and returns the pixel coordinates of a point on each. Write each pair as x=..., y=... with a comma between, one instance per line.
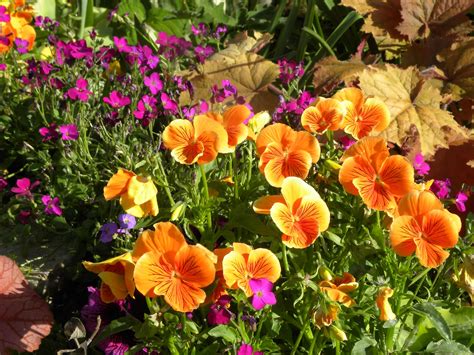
x=146, y=110
x=172, y=46
x=293, y=107
x=154, y=83
x=290, y=70
x=4, y=16
x=3, y=183
x=346, y=142
x=200, y=30
x=441, y=188
x=126, y=221
x=107, y=232
x=3, y=67
x=50, y=132
x=460, y=200
x=24, y=216
x=203, y=52
x=221, y=30
x=24, y=187
x=69, y=132
x=51, y=205
x=219, y=312
x=262, y=293
x=80, y=92
x=117, y=100
x=21, y=45
x=121, y=44
x=247, y=349
x=422, y=168
x=169, y=104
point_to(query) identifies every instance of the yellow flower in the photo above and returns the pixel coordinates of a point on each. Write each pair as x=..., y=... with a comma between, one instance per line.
x=256, y=124
x=383, y=305
x=137, y=193
x=465, y=280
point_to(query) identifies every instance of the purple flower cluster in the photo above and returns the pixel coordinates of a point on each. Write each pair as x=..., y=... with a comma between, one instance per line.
x=292, y=108
x=442, y=188
x=219, y=312
x=51, y=205
x=24, y=187
x=108, y=230
x=421, y=166
x=4, y=16
x=227, y=90
x=46, y=24
x=202, y=31
x=68, y=132
x=290, y=70
x=171, y=46
x=117, y=100
x=80, y=91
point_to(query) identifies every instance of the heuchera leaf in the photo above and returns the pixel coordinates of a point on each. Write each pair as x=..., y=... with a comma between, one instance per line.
x=25, y=318
x=413, y=102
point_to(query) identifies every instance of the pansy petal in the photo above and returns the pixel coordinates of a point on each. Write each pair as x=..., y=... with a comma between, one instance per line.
x=130, y=207
x=141, y=189
x=353, y=168
x=188, y=154
x=183, y=296
x=438, y=228
x=272, y=151
x=368, y=147
x=265, y=203
x=338, y=296
x=178, y=133
x=403, y=231
x=294, y=188
x=397, y=175
x=117, y=185
x=194, y=266
x=374, y=194
x=203, y=125
x=234, y=268
x=263, y=264
x=236, y=115
x=237, y=134
x=242, y=248
x=305, y=141
x=152, y=274
x=376, y=112
x=275, y=133
x=209, y=142
x=352, y=94
x=430, y=255
x=116, y=283
x=106, y=294
x=417, y=203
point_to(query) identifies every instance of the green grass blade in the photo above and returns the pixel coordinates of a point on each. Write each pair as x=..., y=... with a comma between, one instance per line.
x=320, y=39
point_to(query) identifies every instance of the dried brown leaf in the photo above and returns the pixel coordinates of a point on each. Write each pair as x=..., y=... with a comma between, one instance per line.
x=25, y=318
x=414, y=103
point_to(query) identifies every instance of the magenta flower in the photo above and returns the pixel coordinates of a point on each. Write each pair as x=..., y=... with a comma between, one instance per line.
x=461, y=197
x=80, y=92
x=441, y=188
x=246, y=349
x=168, y=103
x=200, y=30
x=346, y=142
x=290, y=70
x=24, y=216
x=121, y=44
x=3, y=183
x=24, y=187
x=154, y=83
x=146, y=110
x=117, y=100
x=21, y=45
x=220, y=31
x=422, y=168
x=262, y=293
x=52, y=205
x=219, y=312
x=69, y=132
x=3, y=67
x=50, y=132
x=203, y=52
x=4, y=16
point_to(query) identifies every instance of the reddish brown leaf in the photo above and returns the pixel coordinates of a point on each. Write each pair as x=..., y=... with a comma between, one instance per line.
x=25, y=318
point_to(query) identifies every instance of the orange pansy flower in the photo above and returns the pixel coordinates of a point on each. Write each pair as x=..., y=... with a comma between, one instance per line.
x=338, y=288
x=324, y=318
x=374, y=175
x=299, y=212
x=383, y=305
x=424, y=227
x=137, y=193
x=116, y=275
x=362, y=116
x=285, y=152
x=220, y=289
x=167, y=266
x=244, y=263
x=233, y=122
x=325, y=114
x=199, y=141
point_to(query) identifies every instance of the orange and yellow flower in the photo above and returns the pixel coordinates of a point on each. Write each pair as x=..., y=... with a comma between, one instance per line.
x=325, y=114
x=338, y=288
x=233, y=122
x=425, y=228
x=244, y=263
x=167, y=266
x=137, y=193
x=299, y=212
x=116, y=275
x=383, y=305
x=18, y=26
x=362, y=116
x=285, y=152
x=379, y=179
x=196, y=142
x=221, y=287
x=257, y=123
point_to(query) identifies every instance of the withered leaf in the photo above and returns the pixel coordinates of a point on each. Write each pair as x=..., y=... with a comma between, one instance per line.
x=422, y=18
x=25, y=318
x=249, y=72
x=414, y=102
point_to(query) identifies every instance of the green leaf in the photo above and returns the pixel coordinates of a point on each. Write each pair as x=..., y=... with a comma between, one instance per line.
x=225, y=332
x=133, y=8
x=45, y=8
x=162, y=20
x=116, y=326
x=447, y=347
x=360, y=347
x=436, y=319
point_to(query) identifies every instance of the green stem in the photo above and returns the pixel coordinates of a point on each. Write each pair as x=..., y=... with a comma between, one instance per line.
x=285, y=259
x=206, y=195
x=300, y=336
x=167, y=188
x=313, y=343
x=234, y=177
x=149, y=303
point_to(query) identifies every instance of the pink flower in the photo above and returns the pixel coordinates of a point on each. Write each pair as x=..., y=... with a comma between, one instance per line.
x=246, y=349
x=79, y=92
x=24, y=187
x=21, y=45
x=121, y=44
x=154, y=83
x=3, y=183
x=421, y=167
x=3, y=67
x=117, y=100
x=49, y=133
x=168, y=103
x=461, y=197
x=69, y=132
x=441, y=188
x=4, y=16
x=219, y=312
x=346, y=142
x=52, y=205
x=262, y=293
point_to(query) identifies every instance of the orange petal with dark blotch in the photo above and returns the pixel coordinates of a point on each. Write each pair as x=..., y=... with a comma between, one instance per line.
x=294, y=188
x=376, y=112
x=338, y=296
x=220, y=253
x=369, y=148
x=165, y=239
x=430, y=255
x=297, y=163
x=275, y=133
x=327, y=114
x=304, y=141
x=283, y=218
x=417, y=203
x=236, y=115
x=183, y=296
x=116, y=283
x=179, y=133
x=311, y=209
x=397, y=175
x=152, y=274
x=203, y=125
x=312, y=120
x=353, y=95
x=208, y=140
x=194, y=266
x=106, y=294
x=188, y=154
x=272, y=151
x=265, y=203
x=234, y=268
x=263, y=264
x=374, y=194
x=403, y=231
x=353, y=168
x=117, y=185
x=438, y=228
x=236, y=134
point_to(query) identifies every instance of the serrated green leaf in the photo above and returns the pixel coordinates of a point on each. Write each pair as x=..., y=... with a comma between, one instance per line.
x=436, y=319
